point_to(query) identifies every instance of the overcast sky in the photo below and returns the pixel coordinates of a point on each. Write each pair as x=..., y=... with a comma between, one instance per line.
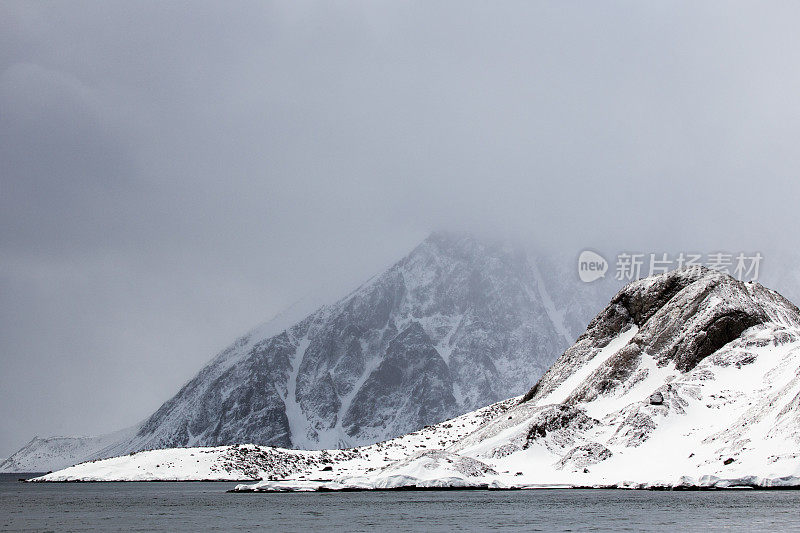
x=172, y=174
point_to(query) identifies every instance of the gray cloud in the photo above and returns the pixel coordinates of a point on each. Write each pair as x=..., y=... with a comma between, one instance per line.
x=173, y=173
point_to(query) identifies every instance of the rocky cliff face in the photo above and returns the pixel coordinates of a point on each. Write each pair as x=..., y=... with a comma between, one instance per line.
x=680, y=317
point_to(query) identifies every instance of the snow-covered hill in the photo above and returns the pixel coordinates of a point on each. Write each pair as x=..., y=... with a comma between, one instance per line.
x=250, y=461
x=54, y=453
x=456, y=325
x=686, y=379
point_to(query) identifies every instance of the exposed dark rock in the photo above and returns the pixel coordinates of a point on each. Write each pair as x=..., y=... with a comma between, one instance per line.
x=656, y=398
x=635, y=429
x=412, y=368
x=584, y=455
x=556, y=417
x=683, y=317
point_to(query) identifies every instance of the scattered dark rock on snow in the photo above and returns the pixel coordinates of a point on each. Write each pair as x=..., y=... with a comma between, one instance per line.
x=656, y=399
x=556, y=417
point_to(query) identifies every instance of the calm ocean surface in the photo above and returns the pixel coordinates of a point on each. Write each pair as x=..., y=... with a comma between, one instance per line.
x=206, y=506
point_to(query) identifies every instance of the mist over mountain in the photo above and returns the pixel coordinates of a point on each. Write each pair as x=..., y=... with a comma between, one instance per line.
x=457, y=324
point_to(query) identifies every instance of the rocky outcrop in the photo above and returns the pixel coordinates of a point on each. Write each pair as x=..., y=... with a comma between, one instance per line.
x=682, y=317
x=411, y=369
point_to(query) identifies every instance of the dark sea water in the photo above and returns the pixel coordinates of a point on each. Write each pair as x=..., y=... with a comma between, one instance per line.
x=207, y=507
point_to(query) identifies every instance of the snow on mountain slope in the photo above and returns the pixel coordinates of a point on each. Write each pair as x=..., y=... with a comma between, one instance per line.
x=250, y=461
x=55, y=453
x=456, y=325
x=688, y=379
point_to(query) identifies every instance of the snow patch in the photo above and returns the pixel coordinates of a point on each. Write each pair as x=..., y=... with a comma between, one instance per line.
x=298, y=421
x=566, y=387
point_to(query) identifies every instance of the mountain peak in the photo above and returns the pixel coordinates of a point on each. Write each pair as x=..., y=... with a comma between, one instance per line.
x=448, y=244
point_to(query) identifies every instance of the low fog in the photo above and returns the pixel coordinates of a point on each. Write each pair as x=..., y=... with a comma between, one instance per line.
x=172, y=174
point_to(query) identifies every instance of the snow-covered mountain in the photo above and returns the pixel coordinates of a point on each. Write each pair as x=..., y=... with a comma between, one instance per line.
x=687, y=379
x=456, y=325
